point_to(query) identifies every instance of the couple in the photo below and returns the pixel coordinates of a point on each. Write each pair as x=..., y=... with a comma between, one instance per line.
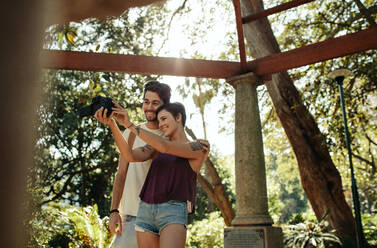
x=168, y=193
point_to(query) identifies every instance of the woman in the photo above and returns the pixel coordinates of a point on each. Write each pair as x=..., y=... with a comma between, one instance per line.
x=169, y=190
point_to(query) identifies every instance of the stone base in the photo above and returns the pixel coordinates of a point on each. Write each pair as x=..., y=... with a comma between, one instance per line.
x=253, y=237
x=252, y=220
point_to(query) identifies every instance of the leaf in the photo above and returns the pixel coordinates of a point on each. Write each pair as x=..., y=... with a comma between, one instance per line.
x=70, y=36
x=91, y=84
x=97, y=87
x=60, y=38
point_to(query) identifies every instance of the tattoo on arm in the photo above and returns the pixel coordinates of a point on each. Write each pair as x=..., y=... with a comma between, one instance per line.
x=146, y=148
x=195, y=146
x=137, y=130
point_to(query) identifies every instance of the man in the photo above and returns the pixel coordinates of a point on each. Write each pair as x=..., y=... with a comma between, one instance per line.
x=128, y=183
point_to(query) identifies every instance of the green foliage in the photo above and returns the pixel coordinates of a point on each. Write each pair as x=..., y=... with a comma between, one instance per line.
x=285, y=194
x=310, y=233
x=70, y=227
x=323, y=20
x=75, y=158
x=207, y=232
x=304, y=25
x=369, y=222
x=224, y=167
x=203, y=91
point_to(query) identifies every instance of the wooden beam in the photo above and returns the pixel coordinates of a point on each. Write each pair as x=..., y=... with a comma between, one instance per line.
x=274, y=10
x=138, y=64
x=317, y=52
x=241, y=39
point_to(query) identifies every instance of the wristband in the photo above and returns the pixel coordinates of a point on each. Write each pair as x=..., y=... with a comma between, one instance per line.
x=114, y=211
x=130, y=125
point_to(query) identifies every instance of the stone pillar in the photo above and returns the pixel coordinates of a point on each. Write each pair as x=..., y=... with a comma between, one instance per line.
x=252, y=225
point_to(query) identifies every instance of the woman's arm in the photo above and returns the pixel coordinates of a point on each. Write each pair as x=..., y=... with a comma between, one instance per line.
x=135, y=155
x=190, y=150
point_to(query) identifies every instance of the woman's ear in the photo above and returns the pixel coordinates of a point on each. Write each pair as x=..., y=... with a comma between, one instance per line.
x=179, y=118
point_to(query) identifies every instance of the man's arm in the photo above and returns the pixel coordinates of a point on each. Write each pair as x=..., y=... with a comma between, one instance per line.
x=119, y=181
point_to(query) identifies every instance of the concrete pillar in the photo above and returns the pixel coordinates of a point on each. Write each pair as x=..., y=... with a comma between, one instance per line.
x=253, y=224
x=251, y=191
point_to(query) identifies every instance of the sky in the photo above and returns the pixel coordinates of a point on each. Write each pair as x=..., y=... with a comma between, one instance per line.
x=210, y=45
x=220, y=140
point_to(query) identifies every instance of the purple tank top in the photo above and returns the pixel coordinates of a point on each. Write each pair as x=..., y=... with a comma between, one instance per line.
x=169, y=178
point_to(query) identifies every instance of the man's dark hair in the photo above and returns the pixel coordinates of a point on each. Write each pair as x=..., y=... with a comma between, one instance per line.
x=175, y=109
x=162, y=90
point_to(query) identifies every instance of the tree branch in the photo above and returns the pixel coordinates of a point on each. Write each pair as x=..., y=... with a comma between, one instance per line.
x=169, y=25
x=220, y=196
x=366, y=13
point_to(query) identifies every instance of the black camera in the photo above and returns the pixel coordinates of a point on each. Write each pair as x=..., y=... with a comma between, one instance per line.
x=97, y=102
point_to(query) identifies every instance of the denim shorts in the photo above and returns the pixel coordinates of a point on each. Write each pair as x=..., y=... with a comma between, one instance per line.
x=128, y=236
x=154, y=217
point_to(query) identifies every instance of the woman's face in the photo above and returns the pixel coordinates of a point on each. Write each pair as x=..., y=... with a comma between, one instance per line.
x=167, y=123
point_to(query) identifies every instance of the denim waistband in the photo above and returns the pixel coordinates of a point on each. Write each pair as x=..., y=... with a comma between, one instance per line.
x=130, y=218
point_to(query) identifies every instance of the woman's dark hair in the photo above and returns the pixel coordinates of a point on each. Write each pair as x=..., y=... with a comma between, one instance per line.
x=174, y=109
x=162, y=90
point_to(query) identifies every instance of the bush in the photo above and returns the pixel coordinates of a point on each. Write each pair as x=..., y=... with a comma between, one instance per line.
x=310, y=234
x=370, y=228
x=208, y=232
x=69, y=226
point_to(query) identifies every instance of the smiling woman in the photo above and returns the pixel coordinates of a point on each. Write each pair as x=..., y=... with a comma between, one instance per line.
x=170, y=186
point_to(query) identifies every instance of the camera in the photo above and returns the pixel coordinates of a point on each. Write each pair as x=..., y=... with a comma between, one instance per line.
x=97, y=102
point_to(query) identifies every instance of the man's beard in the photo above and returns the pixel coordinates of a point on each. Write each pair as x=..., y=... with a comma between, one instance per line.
x=150, y=118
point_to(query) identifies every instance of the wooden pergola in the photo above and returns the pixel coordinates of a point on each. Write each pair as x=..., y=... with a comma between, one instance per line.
x=263, y=67
x=237, y=73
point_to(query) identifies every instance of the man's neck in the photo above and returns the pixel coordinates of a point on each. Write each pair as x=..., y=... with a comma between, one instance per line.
x=152, y=124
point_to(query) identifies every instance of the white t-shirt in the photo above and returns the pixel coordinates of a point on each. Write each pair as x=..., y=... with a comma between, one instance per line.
x=136, y=174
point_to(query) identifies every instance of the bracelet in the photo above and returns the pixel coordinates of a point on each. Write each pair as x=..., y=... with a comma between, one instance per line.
x=114, y=211
x=130, y=125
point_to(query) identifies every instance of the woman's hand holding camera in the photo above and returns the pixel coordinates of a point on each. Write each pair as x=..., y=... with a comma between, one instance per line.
x=119, y=113
x=101, y=116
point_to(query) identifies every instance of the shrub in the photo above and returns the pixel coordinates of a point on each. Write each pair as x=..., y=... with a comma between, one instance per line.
x=207, y=232
x=310, y=234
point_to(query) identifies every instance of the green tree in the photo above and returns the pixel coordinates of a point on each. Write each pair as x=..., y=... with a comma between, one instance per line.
x=75, y=157
x=328, y=19
x=317, y=169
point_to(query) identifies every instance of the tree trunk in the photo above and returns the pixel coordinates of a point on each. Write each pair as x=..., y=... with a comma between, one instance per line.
x=215, y=189
x=319, y=176
x=20, y=70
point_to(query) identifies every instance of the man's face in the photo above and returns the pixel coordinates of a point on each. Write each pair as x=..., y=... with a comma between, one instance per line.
x=151, y=103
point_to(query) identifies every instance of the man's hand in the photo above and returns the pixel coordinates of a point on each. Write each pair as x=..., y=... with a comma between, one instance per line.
x=205, y=147
x=115, y=223
x=121, y=115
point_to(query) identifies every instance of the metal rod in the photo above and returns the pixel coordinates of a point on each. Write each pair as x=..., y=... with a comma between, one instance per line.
x=241, y=41
x=355, y=195
x=274, y=10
